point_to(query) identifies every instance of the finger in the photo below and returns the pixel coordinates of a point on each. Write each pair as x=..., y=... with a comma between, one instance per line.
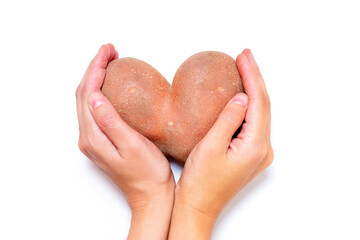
x=92, y=81
x=110, y=122
x=257, y=72
x=95, y=74
x=263, y=165
x=268, y=159
x=256, y=69
x=116, y=56
x=256, y=114
x=91, y=138
x=254, y=66
x=100, y=150
x=270, y=153
x=93, y=142
x=229, y=120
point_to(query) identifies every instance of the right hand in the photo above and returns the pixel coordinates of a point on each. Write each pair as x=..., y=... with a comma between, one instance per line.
x=219, y=166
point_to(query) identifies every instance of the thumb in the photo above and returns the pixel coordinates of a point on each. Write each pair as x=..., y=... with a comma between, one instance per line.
x=229, y=120
x=109, y=121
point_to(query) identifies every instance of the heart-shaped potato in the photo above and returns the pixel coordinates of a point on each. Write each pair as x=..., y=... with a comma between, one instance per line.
x=174, y=117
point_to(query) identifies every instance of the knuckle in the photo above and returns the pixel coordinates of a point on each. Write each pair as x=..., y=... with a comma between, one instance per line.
x=262, y=152
x=81, y=146
x=81, y=90
x=270, y=156
x=266, y=155
x=231, y=117
x=131, y=146
x=259, y=150
x=85, y=145
x=264, y=98
x=267, y=162
x=85, y=90
x=108, y=121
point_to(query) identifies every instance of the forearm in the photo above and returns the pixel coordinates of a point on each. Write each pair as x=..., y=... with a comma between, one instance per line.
x=188, y=222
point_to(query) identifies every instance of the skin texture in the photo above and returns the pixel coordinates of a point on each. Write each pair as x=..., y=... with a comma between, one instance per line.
x=144, y=176
x=174, y=117
x=217, y=168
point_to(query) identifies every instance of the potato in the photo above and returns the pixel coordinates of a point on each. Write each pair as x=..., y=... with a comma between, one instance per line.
x=174, y=117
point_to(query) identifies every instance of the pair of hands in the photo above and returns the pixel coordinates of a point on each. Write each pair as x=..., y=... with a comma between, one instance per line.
x=217, y=168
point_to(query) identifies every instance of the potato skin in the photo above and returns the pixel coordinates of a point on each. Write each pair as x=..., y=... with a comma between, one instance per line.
x=138, y=92
x=174, y=117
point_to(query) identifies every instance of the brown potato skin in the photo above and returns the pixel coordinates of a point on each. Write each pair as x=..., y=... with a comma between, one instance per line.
x=174, y=117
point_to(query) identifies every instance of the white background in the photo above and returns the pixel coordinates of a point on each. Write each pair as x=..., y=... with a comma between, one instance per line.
x=308, y=52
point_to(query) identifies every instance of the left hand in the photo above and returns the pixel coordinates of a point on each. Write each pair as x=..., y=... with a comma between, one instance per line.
x=130, y=160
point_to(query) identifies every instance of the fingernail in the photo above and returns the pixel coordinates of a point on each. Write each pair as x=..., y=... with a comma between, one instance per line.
x=240, y=99
x=243, y=55
x=95, y=101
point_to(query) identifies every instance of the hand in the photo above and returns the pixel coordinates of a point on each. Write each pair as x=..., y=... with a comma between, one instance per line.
x=130, y=160
x=219, y=166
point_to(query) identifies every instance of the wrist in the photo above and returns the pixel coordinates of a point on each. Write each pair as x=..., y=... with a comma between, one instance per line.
x=145, y=199
x=189, y=221
x=151, y=220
